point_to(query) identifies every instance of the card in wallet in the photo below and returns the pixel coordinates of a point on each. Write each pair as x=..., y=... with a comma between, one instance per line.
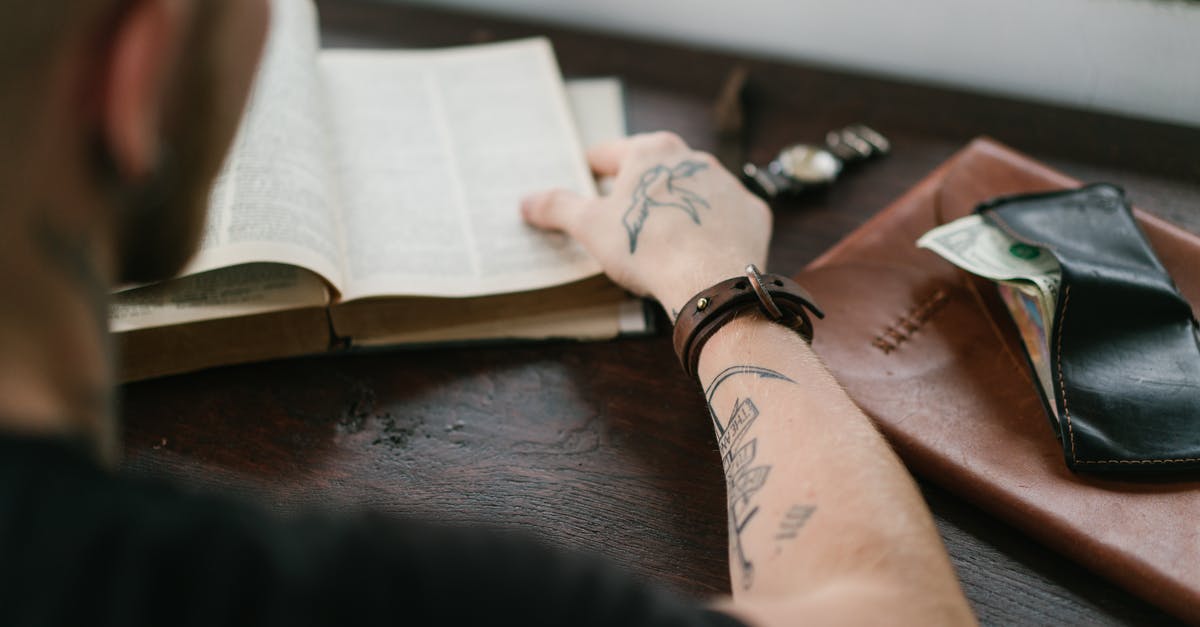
x=932, y=355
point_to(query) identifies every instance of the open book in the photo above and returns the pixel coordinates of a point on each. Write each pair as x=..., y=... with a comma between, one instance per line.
x=371, y=199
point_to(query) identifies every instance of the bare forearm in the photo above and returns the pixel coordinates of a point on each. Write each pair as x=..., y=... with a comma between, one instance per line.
x=816, y=497
x=825, y=524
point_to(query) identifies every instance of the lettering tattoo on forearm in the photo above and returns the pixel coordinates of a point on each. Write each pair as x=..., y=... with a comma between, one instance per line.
x=649, y=194
x=743, y=478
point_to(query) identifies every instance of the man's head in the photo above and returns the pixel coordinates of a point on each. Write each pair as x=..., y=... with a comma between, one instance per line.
x=138, y=101
x=115, y=116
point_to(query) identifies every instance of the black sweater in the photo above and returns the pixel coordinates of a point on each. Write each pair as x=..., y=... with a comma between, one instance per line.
x=81, y=546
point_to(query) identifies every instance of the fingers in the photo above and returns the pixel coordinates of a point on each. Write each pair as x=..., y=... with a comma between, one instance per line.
x=607, y=158
x=556, y=210
x=561, y=209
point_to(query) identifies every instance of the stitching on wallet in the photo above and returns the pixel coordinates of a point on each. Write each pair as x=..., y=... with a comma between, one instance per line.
x=1062, y=385
x=905, y=326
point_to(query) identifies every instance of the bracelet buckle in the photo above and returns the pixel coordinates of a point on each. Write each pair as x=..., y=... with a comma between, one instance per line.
x=764, y=297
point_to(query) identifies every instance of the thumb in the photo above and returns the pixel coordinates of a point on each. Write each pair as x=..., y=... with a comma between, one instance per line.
x=557, y=209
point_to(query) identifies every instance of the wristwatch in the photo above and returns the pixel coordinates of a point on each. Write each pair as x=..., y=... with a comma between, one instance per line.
x=800, y=167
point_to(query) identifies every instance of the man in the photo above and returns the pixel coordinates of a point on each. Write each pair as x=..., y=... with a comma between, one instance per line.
x=115, y=115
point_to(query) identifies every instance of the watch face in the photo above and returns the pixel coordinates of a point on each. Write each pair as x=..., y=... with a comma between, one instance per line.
x=809, y=164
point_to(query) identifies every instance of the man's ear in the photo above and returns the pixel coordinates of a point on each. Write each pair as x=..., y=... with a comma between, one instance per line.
x=142, y=54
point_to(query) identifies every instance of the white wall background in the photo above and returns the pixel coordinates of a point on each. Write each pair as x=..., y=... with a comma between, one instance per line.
x=1134, y=57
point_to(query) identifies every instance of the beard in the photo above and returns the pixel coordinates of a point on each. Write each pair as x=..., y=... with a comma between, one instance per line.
x=162, y=216
x=162, y=221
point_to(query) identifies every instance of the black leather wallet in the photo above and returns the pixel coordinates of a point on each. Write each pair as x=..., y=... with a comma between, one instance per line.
x=1124, y=350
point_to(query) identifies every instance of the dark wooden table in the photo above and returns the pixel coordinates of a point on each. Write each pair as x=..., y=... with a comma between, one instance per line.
x=606, y=447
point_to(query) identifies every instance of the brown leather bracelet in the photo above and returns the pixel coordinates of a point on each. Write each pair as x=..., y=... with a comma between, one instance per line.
x=777, y=297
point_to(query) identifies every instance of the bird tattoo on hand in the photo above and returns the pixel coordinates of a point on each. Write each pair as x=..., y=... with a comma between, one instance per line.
x=669, y=194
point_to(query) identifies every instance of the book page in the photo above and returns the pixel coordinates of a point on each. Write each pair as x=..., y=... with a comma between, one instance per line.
x=434, y=150
x=246, y=290
x=598, y=106
x=222, y=293
x=274, y=199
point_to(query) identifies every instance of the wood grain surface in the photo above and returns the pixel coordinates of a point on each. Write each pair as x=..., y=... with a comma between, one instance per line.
x=606, y=447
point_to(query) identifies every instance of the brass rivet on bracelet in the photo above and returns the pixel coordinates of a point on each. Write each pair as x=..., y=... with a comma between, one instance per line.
x=702, y=304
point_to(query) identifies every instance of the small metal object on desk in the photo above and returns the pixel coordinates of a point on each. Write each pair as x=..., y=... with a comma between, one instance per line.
x=803, y=166
x=731, y=117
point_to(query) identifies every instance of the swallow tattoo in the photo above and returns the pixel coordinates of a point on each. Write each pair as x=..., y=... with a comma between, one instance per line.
x=667, y=192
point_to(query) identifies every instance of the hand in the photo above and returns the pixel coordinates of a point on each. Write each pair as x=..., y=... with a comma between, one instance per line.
x=675, y=223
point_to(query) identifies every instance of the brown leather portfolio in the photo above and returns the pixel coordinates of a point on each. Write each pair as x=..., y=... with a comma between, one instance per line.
x=931, y=354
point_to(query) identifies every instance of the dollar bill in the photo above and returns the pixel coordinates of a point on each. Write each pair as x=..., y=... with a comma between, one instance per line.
x=980, y=248
x=1027, y=277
